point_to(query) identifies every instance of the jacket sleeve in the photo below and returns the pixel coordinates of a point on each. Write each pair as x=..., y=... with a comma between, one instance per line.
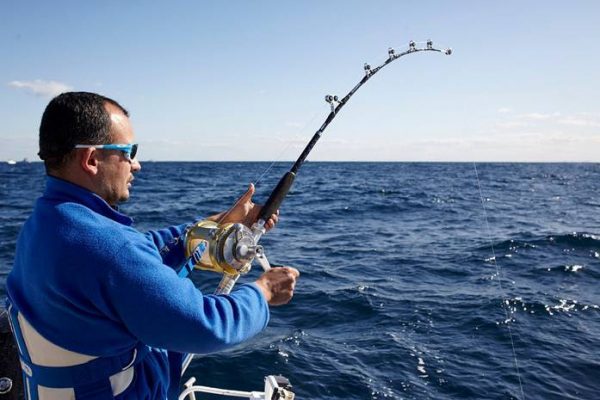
x=165, y=311
x=169, y=243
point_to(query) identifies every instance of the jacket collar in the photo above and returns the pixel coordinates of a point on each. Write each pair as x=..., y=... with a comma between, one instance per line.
x=63, y=190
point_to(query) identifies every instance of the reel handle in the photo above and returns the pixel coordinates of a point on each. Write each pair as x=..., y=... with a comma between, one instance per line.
x=277, y=196
x=227, y=283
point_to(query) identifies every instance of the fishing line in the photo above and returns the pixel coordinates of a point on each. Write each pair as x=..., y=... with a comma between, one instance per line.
x=277, y=159
x=287, y=146
x=498, y=274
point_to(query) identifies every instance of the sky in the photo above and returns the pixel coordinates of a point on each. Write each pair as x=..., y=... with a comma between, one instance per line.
x=246, y=80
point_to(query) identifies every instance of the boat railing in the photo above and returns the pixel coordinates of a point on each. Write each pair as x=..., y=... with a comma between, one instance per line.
x=276, y=388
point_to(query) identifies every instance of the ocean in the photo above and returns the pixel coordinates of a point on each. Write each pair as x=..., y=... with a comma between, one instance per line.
x=418, y=280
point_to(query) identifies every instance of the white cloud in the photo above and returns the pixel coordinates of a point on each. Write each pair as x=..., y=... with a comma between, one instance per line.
x=581, y=120
x=540, y=116
x=41, y=88
x=546, y=121
x=517, y=146
x=504, y=110
x=513, y=124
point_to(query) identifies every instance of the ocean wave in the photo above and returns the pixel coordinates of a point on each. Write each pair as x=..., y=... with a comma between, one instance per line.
x=577, y=239
x=550, y=306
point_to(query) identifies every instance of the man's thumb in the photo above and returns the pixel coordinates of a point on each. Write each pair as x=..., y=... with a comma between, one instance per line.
x=249, y=193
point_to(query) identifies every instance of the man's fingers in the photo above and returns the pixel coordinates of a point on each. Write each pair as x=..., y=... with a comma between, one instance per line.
x=272, y=221
x=270, y=224
x=292, y=271
x=278, y=284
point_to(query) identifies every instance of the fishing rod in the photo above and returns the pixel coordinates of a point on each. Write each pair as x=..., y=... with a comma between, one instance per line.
x=230, y=248
x=284, y=185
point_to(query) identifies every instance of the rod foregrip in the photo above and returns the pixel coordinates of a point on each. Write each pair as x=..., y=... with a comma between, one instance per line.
x=277, y=195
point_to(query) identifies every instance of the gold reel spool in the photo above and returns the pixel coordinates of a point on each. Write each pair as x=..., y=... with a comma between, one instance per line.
x=230, y=249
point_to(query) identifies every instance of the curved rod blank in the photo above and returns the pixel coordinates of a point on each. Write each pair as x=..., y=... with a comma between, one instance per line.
x=276, y=198
x=336, y=105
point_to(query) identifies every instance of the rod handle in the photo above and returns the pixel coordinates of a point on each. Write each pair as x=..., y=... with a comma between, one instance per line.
x=277, y=195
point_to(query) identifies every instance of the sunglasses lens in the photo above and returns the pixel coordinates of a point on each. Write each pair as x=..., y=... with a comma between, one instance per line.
x=133, y=151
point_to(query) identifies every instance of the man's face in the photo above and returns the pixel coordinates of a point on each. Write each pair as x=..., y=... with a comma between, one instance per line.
x=115, y=171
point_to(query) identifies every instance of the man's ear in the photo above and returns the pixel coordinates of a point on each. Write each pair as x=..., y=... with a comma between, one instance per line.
x=88, y=161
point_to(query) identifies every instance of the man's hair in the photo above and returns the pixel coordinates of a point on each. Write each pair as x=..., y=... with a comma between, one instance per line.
x=73, y=118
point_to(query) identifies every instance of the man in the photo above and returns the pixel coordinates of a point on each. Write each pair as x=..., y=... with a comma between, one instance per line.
x=97, y=307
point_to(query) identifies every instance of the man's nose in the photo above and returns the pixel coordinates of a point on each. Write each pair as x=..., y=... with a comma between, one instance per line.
x=135, y=165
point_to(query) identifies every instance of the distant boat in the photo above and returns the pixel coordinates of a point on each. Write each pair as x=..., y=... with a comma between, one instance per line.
x=25, y=160
x=11, y=162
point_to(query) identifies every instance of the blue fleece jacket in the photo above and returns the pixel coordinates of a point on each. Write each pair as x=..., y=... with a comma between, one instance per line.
x=89, y=282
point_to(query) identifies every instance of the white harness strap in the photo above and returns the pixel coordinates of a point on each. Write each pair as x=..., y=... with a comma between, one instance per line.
x=47, y=354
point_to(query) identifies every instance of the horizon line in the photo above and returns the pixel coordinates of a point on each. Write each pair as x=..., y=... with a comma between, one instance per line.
x=345, y=161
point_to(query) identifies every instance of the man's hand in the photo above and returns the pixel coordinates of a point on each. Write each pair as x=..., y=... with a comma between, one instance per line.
x=277, y=284
x=245, y=211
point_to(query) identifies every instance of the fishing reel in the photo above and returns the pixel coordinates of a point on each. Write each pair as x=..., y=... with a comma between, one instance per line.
x=229, y=250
